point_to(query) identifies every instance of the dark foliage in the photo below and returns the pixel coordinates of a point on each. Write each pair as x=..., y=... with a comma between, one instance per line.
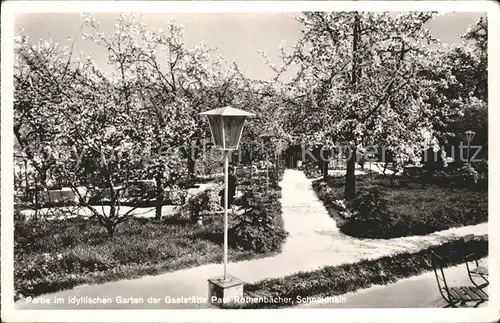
x=260, y=227
x=371, y=215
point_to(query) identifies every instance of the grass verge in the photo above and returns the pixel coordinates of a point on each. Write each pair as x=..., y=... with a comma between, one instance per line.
x=338, y=280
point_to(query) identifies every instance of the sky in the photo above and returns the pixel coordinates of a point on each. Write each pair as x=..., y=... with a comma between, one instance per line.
x=237, y=36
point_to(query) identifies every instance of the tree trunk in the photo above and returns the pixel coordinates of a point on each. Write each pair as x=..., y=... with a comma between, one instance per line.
x=391, y=181
x=110, y=223
x=26, y=188
x=159, y=195
x=350, y=178
x=110, y=228
x=191, y=163
x=325, y=160
x=113, y=201
x=350, y=183
x=37, y=200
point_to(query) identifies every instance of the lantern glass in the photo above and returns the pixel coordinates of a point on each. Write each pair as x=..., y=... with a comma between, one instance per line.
x=233, y=127
x=226, y=126
x=215, y=122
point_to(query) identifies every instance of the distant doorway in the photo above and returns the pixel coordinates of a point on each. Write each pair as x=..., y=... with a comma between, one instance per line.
x=292, y=156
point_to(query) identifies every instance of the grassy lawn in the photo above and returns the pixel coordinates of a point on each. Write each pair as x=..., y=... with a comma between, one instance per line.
x=338, y=280
x=59, y=254
x=416, y=208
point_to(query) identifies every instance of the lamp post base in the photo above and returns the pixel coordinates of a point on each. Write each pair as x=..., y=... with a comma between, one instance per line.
x=222, y=291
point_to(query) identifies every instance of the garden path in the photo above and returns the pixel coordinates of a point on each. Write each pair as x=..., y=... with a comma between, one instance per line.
x=314, y=241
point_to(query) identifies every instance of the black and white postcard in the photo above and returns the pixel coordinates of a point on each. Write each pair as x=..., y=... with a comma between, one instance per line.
x=238, y=161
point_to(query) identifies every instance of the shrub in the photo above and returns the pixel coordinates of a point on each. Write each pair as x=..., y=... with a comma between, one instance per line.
x=468, y=174
x=259, y=228
x=370, y=203
x=204, y=201
x=175, y=195
x=274, y=178
x=258, y=183
x=311, y=170
x=482, y=167
x=371, y=216
x=29, y=235
x=323, y=191
x=18, y=216
x=342, y=208
x=472, y=176
x=280, y=170
x=36, y=272
x=482, y=170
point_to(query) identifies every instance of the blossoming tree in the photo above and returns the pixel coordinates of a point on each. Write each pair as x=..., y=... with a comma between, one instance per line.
x=360, y=82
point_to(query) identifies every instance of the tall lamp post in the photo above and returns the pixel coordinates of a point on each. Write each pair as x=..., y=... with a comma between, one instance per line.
x=226, y=126
x=469, y=134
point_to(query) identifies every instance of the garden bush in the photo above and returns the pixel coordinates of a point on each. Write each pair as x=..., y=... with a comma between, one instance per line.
x=482, y=168
x=370, y=215
x=18, y=216
x=202, y=202
x=280, y=170
x=260, y=227
x=36, y=273
x=311, y=170
x=274, y=178
x=469, y=176
x=175, y=195
x=258, y=182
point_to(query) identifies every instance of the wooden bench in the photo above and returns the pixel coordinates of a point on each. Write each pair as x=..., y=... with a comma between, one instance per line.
x=476, y=272
x=464, y=294
x=454, y=295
